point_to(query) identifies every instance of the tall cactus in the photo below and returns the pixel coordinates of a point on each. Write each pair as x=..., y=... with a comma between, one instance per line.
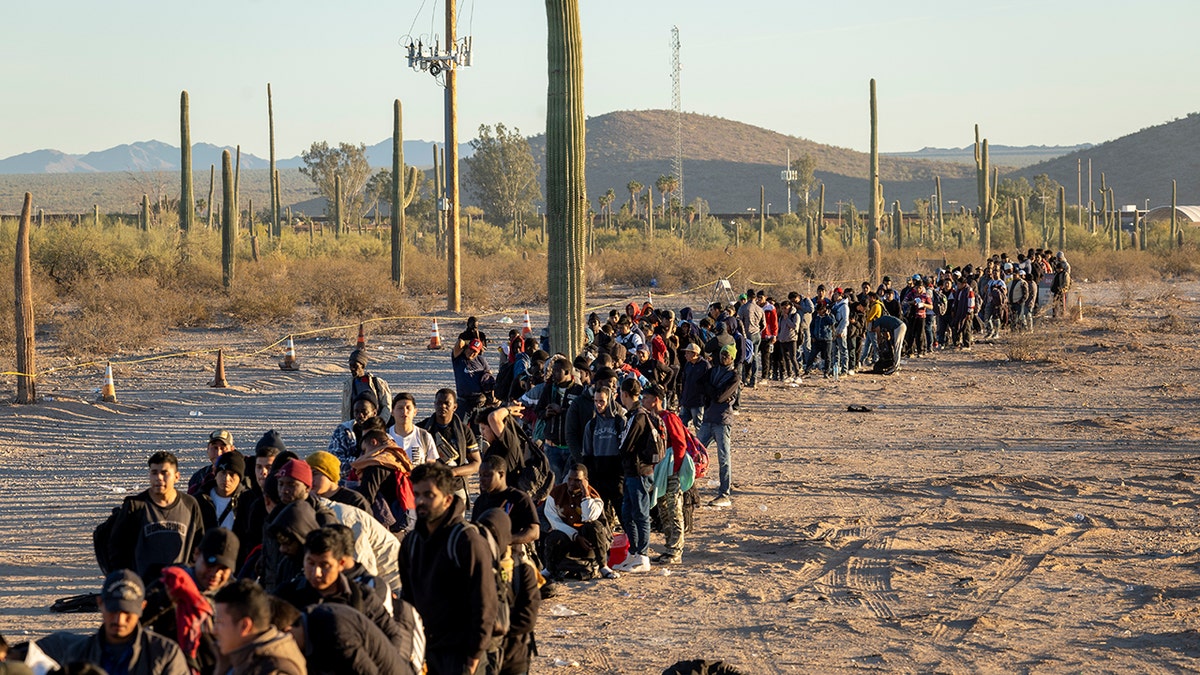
x=23, y=314
x=941, y=214
x=277, y=227
x=1118, y=230
x=821, y=221
x=1174, y=218
x=1019, y=223
x=96, y=216
x=873, y=227
x=762, y=218
x=808, y=235
x=212, y=174
x=566, y=185
x=274, y=175
x=145, y=213
x=404, y=188
x=187, y=196
x=898, y=224
x=228, y=220
x=1062, y=218
x=986, y=186
x=337, y=205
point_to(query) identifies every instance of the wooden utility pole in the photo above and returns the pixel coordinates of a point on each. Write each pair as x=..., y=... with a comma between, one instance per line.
x=454, y=269
x=23, y=288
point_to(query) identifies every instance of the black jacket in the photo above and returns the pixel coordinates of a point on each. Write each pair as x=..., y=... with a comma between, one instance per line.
x=365, y=600
x=340, y=639
x=645, y=429
x=519, y=643
x=694, y=377
x=454, y=592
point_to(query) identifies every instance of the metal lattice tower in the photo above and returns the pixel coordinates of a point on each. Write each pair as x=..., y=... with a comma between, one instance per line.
x=677, y=105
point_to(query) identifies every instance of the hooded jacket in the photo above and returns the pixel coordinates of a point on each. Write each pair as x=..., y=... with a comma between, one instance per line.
x=153, y=654
x=454, y=592
x=340, y=639
x=271, y=653
x=345, y=592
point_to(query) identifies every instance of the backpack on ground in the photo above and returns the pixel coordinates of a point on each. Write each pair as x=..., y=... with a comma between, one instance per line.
x=502, y=573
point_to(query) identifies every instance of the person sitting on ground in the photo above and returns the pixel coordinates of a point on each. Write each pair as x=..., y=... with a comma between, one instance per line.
x=121, y=645
x=220, y=442
x=159, y=526
x=347, y=437
x=246, y=638
x=326, y=476
x=325, y=558
x=219, y=504
x=578, y=527
x=360, y=382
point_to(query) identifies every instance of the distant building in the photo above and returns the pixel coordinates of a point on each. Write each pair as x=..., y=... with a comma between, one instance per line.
x=1185, y=215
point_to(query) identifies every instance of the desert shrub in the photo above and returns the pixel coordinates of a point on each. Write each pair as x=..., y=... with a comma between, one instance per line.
x=113, y=315
x=485, y=240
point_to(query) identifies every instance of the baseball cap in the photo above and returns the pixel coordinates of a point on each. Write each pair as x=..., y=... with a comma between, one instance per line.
x=220, y=547
x=233, y=462
x=221, y=436
x=297, y=469
x=653, y=390
x=123, y=591
x=476, y=344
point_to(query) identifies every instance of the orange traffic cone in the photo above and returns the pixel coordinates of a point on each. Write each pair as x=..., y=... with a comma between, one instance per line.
x=108, y=392
x=435, y=337
x=362, y=338
x=527, y=326
x=289, y=361
x=219, y=378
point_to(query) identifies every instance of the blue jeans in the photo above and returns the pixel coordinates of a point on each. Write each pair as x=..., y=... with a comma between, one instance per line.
x=560, y=461
x=692, y=415
x=635, y=513
x=750, y=368
x=870, y=350
x=840, y=358
x=720, y=432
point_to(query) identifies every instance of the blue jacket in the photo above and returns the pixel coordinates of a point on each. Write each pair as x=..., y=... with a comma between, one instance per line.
x=822, y=327
x=721, y=389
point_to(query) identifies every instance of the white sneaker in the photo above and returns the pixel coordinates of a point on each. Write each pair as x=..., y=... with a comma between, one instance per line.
x=609, y=573
x=641, y=563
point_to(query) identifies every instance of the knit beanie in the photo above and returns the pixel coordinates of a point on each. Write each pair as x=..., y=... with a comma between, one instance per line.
x=327, y=464
x=297, y=469
x=271, y=439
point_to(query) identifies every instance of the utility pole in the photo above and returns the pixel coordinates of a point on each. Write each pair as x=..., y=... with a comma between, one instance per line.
x=1079, y=191
x=454, y=268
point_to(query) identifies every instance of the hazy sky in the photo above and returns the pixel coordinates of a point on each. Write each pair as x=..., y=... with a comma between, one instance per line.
x=81, y=75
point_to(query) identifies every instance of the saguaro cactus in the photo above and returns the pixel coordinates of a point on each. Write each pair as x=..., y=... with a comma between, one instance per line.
x=898, y=224
x=873, y=227
x=337, y=205
x=986, y=186
x=1062, y=218
x=23, y=290
x=808, y=235
x=212, y=175
x=566, y=185
x=96, y=216
x=1174, y=218
x=762, y=218
x=941, y=215
x=404, y=188
x=1019, y=223
x=228, y=220
x=187, y=197
x=821, y=221
x=274, y=175
x=145, y=213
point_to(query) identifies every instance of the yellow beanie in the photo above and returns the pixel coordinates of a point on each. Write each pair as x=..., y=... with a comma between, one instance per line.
x=327, y=464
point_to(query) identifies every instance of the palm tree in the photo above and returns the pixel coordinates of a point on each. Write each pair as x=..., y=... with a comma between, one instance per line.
x=662, y=185
x=606, y=201
x=635, y=188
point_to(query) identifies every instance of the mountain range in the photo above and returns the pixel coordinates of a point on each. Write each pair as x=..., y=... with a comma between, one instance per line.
x=725, y=163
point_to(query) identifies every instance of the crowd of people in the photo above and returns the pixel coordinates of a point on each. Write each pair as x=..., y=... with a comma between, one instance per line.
x=373, y=556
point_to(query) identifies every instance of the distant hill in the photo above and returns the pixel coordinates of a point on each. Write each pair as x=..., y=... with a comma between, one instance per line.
x=159, y=156
x=1016, y=156
x=1138, y=167
x=726, y=161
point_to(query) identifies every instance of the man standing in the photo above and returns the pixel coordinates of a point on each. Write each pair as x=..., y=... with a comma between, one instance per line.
x=361, y=381
x=641, y=449
x=219, y=443
x=121, y=645
x=722, y=389
x=157, y=527
x=964, y=312
x=754, y=322
x=246, y=638
x=671, y=503
x=456, y=445
x=551, y=410
x=473, y=380
x=841, y=325
x=417, y=442
x=691, y=393
x=446, y=574
x=219, y=505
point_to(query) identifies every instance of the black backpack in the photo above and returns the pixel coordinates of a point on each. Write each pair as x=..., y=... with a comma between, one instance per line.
x=534, y=476
x=104, y=533
x=502, y=573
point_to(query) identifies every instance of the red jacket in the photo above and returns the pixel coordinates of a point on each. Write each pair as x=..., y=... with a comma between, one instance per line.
x=772, y=319
x=676, y=437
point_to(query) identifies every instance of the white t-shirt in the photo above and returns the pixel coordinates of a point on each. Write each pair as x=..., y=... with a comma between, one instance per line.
x=219, y=503
x=419, y=445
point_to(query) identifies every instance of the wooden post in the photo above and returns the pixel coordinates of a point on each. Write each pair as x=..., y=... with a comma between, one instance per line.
x=23, y=289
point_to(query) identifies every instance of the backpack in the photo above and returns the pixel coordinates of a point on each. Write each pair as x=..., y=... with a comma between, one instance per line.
x=502, y=573
x=104, y=533
x=653, y=451
x=534, y=477
x=697, y=451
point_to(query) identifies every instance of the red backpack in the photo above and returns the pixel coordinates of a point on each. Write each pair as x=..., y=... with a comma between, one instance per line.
x=697, y=451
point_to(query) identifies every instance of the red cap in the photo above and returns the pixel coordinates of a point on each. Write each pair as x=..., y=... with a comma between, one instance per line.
x=476, y=344
x=297, y=469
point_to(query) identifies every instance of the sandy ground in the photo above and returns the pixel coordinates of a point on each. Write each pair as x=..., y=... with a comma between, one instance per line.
x=990, y=515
